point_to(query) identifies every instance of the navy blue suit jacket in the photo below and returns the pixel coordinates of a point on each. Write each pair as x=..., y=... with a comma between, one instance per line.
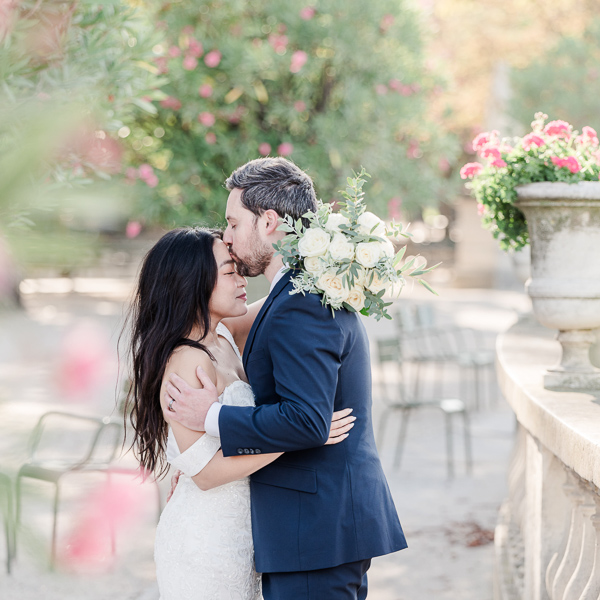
x=316, y=506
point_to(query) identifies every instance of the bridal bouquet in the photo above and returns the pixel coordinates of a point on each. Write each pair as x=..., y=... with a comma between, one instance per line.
x=347, y=256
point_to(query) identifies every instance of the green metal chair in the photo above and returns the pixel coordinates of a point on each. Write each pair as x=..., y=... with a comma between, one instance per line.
x=396, y=399
x=6, y=510
x=63, y=443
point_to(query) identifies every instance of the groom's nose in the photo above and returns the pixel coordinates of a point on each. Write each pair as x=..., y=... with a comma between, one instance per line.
x=227, y=237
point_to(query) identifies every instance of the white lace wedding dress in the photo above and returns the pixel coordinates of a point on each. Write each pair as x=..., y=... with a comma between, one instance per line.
x=203, y=548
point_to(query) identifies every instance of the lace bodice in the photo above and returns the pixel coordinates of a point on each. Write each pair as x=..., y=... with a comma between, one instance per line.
x=203, y=546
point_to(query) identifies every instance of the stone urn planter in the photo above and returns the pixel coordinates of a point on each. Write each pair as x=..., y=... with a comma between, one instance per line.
x=564, y=232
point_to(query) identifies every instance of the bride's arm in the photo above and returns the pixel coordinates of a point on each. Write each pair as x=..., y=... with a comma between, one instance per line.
x=240, y=326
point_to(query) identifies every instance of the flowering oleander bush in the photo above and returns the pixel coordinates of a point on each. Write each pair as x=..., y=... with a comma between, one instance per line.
x=347, y=256
x=553, y=151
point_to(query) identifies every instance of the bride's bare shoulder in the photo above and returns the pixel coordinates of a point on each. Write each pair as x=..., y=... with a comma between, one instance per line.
x=185, y=359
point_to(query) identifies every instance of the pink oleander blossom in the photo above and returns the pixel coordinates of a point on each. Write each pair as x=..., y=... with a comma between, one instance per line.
x=395, y=84
x=212, y=59
x=300, y=106
x=133, y=229
x=480, y=209
x=161, y=65
x=210, y=138
x=171, y=102
x=205, y=90
x=195, y=48
x=189, y=62
x=471, y=170
x=278, y=42
x=285, y=149
x=264, y=149
x=531, y=140
x=152, y=181
x=560, y=129
x=307, y=13
x=207, y=119
x=386, y=22
x=299, y=59
x=174, y=51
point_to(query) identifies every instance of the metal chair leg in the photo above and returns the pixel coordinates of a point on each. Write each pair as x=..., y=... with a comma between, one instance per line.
x=54, y=527
x=449, y=446
x=405, y=415
x=468, y=447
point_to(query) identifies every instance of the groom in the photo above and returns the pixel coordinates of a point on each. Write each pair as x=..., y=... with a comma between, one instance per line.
x=319, y=513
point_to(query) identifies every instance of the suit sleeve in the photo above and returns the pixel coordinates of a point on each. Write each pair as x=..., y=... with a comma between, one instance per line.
x=306, y=343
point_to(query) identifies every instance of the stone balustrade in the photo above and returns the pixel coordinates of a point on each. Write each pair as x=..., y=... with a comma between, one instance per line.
x=548, y=532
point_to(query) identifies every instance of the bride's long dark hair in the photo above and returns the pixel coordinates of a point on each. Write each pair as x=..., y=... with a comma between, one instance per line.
x=177, y=278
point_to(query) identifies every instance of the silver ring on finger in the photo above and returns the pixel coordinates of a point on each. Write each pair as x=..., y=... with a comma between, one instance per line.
x=171, y=404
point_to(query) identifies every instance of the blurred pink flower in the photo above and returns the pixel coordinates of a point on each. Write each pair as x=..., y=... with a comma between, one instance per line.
x=588, y=137
x=483, y=139
x=570, y=163
x=8, y=15
x=471, y=170
x=307, y=13
x=498, y=162
x=285, y=149
x=480, y=209
x=103, y=153
x=212, y=59
x=195, y=48
x=161, y=65
x=84, y=360
x=414, y=149
x=300, y=106
x=560, y=129
x=210, y=138
x=531, y=139
x=174, y=51
x=299, y=59
x=205, y=90
x=189, y=62
x=133, y=229
x=381, y=89
x=278, y=42
x=264, y=149
x=444, y=165
x=188, y=30
x=207, y=119
x=131, y=173
x=490, y=151
x=395, y=84
x=145, y=171
x=237, y=114
x=395, y=208
x=386, y=22
x=171, y=102
x=406, y=90
x=151, y=181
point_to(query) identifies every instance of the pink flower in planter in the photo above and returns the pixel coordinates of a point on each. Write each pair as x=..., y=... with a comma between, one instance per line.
x=307, y=13
x=381, y=89
x=195, y=48
x=588, y=137
x=190, y=62
x=133, y=229
x=560, y=129
x=174, y=51
x=171, y=102
x=483, y=139
x=212, y=59
x=206, y=90
x=207, y=119
x=570, y=163
x=300, y=106
x=210, y=138
x=471, y=170
x=285, y=149
x=299, y=59
x=264, y=149
x=498, y=163
x=531, y=140
x=490, y=151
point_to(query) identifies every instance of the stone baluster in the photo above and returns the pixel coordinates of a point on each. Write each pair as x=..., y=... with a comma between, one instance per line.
x=585, y=563
x=551, y=571
x=592, y=588
x=570, y=558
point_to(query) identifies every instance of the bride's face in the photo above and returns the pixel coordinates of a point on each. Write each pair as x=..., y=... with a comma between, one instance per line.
x=229, y=296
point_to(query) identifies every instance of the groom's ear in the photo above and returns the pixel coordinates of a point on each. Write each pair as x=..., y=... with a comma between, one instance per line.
x=270, y=221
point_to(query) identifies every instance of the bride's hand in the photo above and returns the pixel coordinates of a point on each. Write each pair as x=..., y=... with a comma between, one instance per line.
x=174, y=482
x=341, y=423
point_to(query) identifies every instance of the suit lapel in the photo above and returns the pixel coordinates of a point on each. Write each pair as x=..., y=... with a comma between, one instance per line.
x=263, y=311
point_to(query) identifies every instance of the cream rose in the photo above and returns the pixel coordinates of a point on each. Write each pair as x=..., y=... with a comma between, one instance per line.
x=377, y=284
x=367, y=221
x=332, y=284
x=314, y=242
x=335, y=220
x=387, y=248
x=315, y=265
x=368, y=253
x=341, y=248
x=356, y=298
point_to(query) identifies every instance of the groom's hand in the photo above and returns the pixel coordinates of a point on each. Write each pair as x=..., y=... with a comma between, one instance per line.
x=189, y=405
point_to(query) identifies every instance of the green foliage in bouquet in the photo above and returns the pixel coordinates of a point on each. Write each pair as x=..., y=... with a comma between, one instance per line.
x=327, y=84
x=347, y=257
x=553, y=151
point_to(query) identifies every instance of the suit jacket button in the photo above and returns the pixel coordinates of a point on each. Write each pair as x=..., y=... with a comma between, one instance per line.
x=257, y=451
x=240, y=451
x=246, y=451
x=251, y=451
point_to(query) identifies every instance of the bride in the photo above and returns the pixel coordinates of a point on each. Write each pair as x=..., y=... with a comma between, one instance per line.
x=190, y=310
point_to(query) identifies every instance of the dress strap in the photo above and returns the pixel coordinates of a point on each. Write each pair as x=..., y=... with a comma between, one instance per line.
x=224, y=332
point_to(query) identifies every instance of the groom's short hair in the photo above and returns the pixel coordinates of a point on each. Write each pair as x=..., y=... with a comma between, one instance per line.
x=274, y=184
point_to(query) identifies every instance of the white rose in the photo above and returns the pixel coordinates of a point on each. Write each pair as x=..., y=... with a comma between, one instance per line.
x=332, y=284
x=361, y=277
x=356, y=298
x=335, y=220
x=377, y=284
x=341, y=248
x=387, y=248
x=367, y=221
x=314, y=242
x=368, y=253
x=315, y=265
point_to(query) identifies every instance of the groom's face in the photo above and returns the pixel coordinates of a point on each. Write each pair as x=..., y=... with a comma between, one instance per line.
x=250, y=252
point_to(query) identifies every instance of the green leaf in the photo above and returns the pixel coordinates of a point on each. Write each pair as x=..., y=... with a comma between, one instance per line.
x=427, y=286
